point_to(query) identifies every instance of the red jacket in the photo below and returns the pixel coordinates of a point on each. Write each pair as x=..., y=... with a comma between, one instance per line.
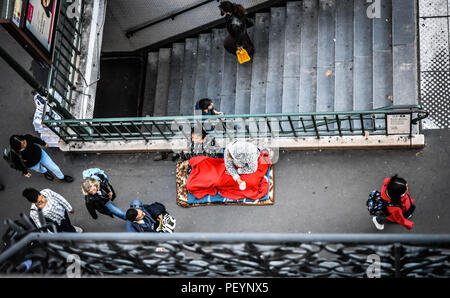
x=396, y=213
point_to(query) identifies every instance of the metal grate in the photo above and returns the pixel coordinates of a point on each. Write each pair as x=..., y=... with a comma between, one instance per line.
x=434, y=52
x=66, y=55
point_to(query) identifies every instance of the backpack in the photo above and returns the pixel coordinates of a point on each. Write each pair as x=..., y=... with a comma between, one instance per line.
x=167, y=224
x=376, y=205
x=95, y=173
x=8, y=156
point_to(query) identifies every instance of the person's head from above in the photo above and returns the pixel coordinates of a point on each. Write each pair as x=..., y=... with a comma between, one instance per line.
x=237, y=149
x=35, y=197
x=198, y=135
x=228, y=8
x=396, y=188
x=205, y=104
x=17, y=143
x=135, y=215
x=90, y=186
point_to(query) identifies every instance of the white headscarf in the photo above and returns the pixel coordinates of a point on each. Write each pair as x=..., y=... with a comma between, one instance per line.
x=239, y=149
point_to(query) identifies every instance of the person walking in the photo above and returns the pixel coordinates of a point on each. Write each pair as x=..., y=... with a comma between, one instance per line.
x=236, y=23
x=54, y=208
x=400, y=205
x=99, y=196
x=28, y=155
x=149, y=218
x=206, y=105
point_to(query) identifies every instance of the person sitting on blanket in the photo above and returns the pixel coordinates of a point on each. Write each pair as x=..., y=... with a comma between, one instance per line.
x=149, y=218
x=202, y=144
x=241, y=158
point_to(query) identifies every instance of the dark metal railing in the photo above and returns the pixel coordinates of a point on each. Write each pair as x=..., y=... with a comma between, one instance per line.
x=66, y=55
x=236, y=255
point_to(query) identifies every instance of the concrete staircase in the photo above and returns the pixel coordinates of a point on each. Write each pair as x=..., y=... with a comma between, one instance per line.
x=311, y=56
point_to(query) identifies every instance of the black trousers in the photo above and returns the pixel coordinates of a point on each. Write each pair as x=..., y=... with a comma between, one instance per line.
x=65, y=225
x=231, y=47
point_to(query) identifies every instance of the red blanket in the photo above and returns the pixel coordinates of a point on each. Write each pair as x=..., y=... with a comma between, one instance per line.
x=209, y=176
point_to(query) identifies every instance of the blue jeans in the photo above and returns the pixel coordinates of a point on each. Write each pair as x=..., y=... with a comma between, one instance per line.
x=116, y=210
x=47, y=164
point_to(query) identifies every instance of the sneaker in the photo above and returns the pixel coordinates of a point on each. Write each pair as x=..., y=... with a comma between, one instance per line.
x=78, y=229
x=49, y=176
x=67, y=178
x=377, y=224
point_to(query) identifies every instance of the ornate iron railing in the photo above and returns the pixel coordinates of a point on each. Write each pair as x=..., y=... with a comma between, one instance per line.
x=230, y=255
x=291, y=125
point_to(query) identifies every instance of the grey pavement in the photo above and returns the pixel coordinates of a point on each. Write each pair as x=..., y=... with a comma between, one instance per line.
x=315, y=191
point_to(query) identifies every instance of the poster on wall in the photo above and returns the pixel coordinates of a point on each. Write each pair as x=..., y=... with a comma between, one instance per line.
x=17, y=13
x=40, y=21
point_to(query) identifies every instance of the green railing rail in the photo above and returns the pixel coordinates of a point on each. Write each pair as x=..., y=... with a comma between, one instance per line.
x=64, y=70
x=291, y=125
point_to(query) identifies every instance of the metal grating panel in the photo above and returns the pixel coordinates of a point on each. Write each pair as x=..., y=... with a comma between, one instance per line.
x=435, y=62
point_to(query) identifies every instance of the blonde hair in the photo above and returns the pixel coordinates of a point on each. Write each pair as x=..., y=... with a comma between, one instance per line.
x=88, y=183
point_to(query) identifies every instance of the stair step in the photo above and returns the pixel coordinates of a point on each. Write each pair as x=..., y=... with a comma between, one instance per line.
x=243, y=84
x=274, y=86
x=291, y=71
x=259, y=67
x=326, y=56
x=216, y=66
x=189, y=67
x=162, y=83
x=382, y=57
x=363, y=79
x=148, y=102
x=228, y=90
x=404, y=53
x=308, y=57
x=202, y=70
x=344, y=56
x=176, y=79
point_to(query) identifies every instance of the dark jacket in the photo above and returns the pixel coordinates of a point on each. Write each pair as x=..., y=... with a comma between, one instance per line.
x=98, y=201
x=208, y=148
x=237, y=28
x=31, y=156
x=151, y=222
x=396, y=214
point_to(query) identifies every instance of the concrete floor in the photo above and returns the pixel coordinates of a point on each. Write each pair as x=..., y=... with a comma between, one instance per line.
x=315, y=191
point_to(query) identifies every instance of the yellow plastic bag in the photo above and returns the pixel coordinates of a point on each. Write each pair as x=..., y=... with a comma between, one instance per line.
x=242, y=56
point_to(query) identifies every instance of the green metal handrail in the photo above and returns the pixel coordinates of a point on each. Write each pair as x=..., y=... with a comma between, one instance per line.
x=275, y=125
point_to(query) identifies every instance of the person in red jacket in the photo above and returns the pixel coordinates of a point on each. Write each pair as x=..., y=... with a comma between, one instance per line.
x=395, y=191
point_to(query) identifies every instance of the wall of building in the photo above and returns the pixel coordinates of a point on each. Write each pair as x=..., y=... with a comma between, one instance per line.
x=124, y=15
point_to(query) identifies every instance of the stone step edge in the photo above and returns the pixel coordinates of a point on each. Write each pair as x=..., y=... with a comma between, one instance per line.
x=301, y=143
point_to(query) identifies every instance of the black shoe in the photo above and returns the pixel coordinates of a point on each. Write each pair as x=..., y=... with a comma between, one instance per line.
x=2, y=187
x=67, y=178
x=49, y=176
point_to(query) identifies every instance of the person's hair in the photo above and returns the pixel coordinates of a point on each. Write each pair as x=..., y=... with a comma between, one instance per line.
x=131, y=214
x=88, y=183
x=396, y=188
x=15, y=142
x=236, y=9
x=196, y=129
x=204, y=103
x=31, y=194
